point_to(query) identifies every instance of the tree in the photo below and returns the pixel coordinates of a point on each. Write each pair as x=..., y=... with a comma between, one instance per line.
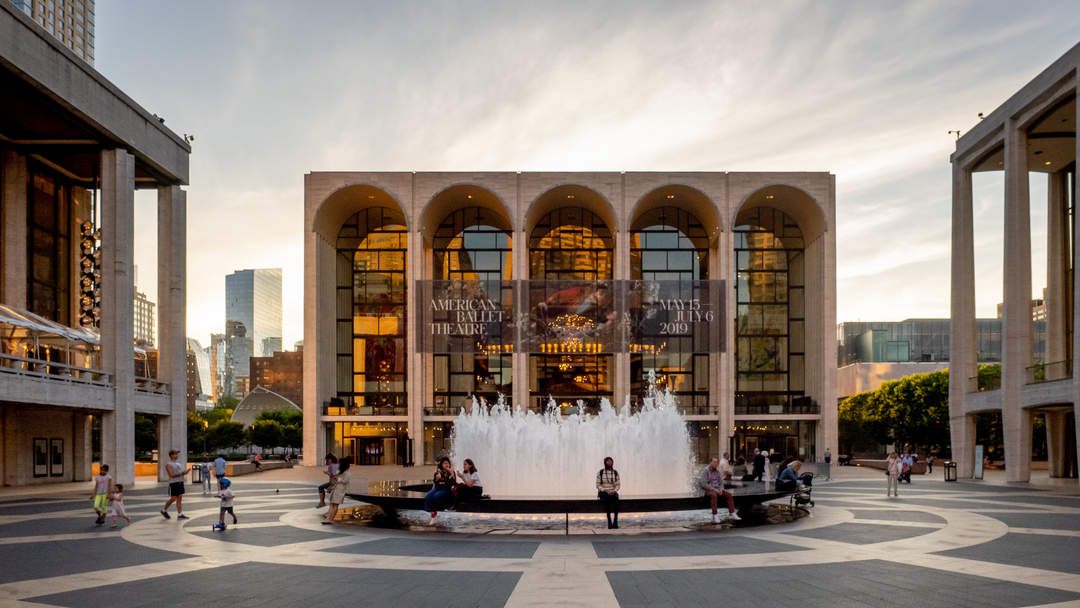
x=284, y=417
x=227, y=403
x=293, y=436
x=225, y=435
x=267, y=433
x=912, y=411
x=196, y=433
x=146, y=437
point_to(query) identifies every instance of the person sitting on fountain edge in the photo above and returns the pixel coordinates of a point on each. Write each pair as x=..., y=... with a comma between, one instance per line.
x=442, y=484
x=607, y=490
x=789, y=477
x=712, y=481
x=470, y=487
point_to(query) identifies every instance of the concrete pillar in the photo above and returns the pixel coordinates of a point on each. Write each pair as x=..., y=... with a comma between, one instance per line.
x=1056, y=301
x=415, y=361
x=9, y=426
x=14, y=183
x=117, y=310
x=721, y=361
x=962, y=333
x=621, y=360
x=82, y=448
x=520, y=272
x=172, y=321
x=1016, y=330
x=1055, y=443
x=320, y=341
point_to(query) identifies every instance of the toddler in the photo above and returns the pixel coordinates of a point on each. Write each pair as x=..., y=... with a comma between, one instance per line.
x=116, y=502
x=226, y=497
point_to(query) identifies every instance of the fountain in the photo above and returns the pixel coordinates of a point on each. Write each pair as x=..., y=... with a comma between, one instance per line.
x=522, y=453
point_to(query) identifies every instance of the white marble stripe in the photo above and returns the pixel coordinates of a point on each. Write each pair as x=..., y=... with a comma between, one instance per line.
x=98, y=578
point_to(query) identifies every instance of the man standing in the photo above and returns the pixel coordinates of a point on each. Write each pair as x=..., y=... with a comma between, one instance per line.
x=219, y=470
x=759, y=464
x=712, y=481
x=177, y=472
x=828, y=464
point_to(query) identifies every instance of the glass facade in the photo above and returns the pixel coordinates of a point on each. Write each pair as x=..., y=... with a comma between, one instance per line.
x=253, y=300
x=571, y=244
x=670, y=245
x=49, y=247
x=472, y=244
x=769, y=322
x=371, y=292
x=368, y=443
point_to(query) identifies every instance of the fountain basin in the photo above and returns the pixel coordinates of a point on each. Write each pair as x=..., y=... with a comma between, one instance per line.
x=394, y=496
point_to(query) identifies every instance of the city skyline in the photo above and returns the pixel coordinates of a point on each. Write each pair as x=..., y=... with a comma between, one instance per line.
x=715, y=87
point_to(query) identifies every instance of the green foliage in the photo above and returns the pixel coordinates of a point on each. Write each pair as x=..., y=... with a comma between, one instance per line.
x=293, y=436
x=989, y=377
x=196, y=432
x=910, y=411
x=146, y=438
x=267, y=433
x=227, y=403
x=284, y=417
x=225, y=435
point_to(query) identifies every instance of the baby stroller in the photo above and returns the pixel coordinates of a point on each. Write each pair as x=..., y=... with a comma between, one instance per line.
x=803, y=492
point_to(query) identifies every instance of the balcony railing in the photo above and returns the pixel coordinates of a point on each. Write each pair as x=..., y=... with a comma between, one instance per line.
x=51, y=370
x=337, y=407
x=151, y=385
x=1049, y=372
x=779, y=408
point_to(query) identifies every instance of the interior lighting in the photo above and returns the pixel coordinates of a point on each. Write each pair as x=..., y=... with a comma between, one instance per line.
x=670, y=196
x=569, y=196
x=468, y=196
x=1048, y=163
x=769, y=196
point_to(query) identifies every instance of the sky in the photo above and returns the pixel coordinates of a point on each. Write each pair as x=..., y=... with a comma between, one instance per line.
x=868, y=90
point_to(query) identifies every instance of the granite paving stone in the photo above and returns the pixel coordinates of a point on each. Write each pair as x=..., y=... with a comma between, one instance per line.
x=443, y=548
x=265, y=536
x=863, y=534
x=723, y=545
x=46, y=559
x=897, y=515
x=1058, y=553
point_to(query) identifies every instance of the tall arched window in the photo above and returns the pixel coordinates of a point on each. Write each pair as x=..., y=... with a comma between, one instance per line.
x=571, y=244
x=670, y=244
x=472, y=244
x=769, y=324
x=371, y=359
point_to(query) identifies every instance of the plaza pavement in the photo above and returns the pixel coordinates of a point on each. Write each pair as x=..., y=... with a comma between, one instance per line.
x=957, y=544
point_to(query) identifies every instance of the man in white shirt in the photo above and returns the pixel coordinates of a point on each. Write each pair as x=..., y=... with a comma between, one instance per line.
x=177, y=472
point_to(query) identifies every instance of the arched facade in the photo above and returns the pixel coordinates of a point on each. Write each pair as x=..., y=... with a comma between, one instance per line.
x=561, y=253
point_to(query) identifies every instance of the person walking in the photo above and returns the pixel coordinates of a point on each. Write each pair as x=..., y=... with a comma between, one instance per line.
x=177, y=472
x=102, y=488
x=906, y=463
x=116, y=505
x=332, y=470
x=759, y=465
x=219, y=469
x=892, y=469
x=712, y=481
x=442, y=484
x=607, y=491
x=205, y=470
x=340, y=489
x=766, y=467
x=828, y=464
x=929, y=463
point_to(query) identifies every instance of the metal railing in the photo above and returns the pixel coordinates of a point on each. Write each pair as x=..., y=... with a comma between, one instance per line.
x=762, y=409
x=151, y=385
x=1048, y=372
x=51, y=370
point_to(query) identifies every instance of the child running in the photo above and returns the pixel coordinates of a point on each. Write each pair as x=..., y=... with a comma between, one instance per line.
x=116, y=505
x=226, y=496
x=102, y=488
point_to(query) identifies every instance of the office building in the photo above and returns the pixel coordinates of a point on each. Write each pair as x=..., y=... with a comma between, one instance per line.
x=145, y=329
x=282, y=373
x=252, y=316
x=70, y=22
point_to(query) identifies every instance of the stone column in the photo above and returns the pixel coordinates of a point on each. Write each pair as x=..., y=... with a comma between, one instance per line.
x=520, y=272
x=172, y=321
x=721, y=368
x=82, y=448
x=1076, y=292
x=621, y=360
x=416, y=386
x=320, y=341
x=118, y=310
x=1016, y=329
x=1056, y=301
x=14, y=181
x=9, y=443
x=962, y=353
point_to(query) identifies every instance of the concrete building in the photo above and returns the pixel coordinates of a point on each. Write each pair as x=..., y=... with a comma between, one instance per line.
x=73, y=149
x=253, y=312
x=282, y=372
x=258, y=401
x=1034, y=131
x=198, y=376
x=217, y=354
x=71, y=22
x=600, y=266
x=910, y=340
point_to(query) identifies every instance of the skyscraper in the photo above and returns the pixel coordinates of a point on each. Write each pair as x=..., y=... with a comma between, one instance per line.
x=145, y=329
x=252, y=316
x=69, y=21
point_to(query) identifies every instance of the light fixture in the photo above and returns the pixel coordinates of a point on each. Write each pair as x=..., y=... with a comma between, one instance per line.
x=569, y=196
x=769, y=196
x=670, y=196
x=1048, y=163
x=371, y=196
x=468, y=196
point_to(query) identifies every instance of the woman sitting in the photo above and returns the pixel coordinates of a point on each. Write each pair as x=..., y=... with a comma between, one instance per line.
x=470, y=487
x=789, y=477
x=442, y=485
x=339, y=489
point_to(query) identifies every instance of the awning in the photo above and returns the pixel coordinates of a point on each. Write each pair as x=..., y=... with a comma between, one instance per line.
x=37, y=323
